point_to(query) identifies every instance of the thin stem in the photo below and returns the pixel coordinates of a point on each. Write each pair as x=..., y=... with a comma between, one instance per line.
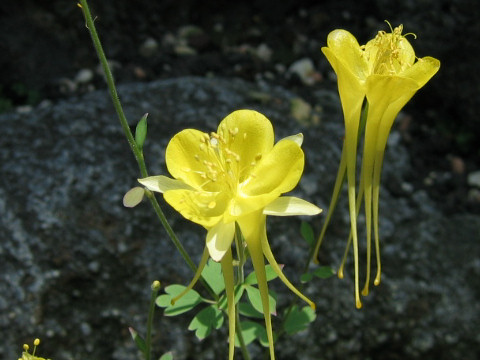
x=137, y=151
x=239, y=245
x=111, y=87
x=241, y=341
x=176, y=242
x=151, y=312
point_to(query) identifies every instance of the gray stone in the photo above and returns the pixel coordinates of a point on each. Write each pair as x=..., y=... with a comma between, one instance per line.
x=77, y=266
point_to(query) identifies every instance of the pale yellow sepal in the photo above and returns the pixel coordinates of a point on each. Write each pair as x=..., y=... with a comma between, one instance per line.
x=219, y=239
x=162, y=184
x=297, y=139
x=290, y=206
x=133, y=197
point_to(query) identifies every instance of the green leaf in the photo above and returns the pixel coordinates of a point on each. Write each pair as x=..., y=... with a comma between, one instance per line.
x=167, y=356
x=139, y=341
x=251, y=279
x=299, y=319
x=324, y=272
x=306, y=277
x=184, y=304
x=255, y=299
x=251, y=331
x=206, y=320
x=307, y=233
x=238, y=292
x=212, y=273
x=246, y=309
x=141, y=131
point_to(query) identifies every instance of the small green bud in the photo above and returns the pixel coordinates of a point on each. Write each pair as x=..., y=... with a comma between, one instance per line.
x=141, y=131
x=156, y=285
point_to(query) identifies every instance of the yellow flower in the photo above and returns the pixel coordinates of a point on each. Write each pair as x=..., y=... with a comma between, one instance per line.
x=235, y=175
x=27, y=356
x=387, y=74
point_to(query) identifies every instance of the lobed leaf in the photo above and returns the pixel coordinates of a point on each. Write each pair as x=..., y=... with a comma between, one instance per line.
x=324, y=272
x=251, y=331
x=206, y=320
x=212, y=273
x=251, y=279
x=255, y=299
x=167, y=356
x=299, y=319
x=184, y=304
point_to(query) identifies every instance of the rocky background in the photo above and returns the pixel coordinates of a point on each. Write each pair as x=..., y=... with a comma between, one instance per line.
x=76, y=266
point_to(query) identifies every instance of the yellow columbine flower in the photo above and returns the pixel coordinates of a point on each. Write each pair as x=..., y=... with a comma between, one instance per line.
x=235, y=175
x=387, y=73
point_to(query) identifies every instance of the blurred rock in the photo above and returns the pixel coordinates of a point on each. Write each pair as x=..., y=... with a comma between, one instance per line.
x=473, y=179
x=77, y=266
x=305, y=70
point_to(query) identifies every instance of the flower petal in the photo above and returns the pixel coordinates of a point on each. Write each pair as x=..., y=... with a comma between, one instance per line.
x=277, y=173
x=201, y=207
x=344, y=47
x=219, y=239
x=247, y=135
x=189, y=158
x=162, y=183
x=289, y=206
x=423, y=70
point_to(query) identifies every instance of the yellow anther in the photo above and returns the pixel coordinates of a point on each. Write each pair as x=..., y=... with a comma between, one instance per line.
x=36, y=342
x=202, y=147
x=197, y=157
x=212, y=204
x=244, y=136
x=26, y=347
x=258, y=157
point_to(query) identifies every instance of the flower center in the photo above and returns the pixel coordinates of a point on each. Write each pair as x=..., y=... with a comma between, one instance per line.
x=389, y=53
x=218, y=162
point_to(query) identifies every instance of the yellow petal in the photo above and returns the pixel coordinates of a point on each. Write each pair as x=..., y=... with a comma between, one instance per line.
x=423, y=70
x=201, y=207
x=162, y=183
x=345, y=48
x=219, y=239
x=278, y=172
x=289, y=206
x=247, y=135
x=188, y=157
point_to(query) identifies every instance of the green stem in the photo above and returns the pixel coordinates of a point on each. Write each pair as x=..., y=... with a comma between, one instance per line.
x=239, y=245
x=137, y=151
x=241, y=341
x=151, y=311
x=111, y=87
